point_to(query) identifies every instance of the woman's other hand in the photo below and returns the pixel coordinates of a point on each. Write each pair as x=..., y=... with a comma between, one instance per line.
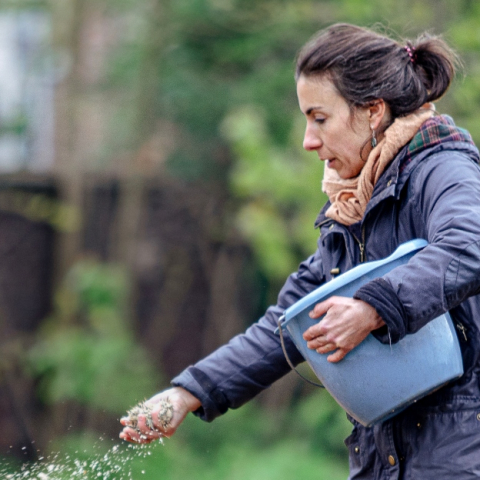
x=182, y=402
x=346, y=323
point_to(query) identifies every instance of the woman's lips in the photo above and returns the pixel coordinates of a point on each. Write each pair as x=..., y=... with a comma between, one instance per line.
x=330, y=162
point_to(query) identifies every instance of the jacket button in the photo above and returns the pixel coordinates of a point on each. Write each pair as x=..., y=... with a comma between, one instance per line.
x=357, y=449
x=391, y=460
x=478, y=417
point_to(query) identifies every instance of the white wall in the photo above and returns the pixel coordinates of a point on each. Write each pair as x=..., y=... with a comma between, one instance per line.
x=26, y=91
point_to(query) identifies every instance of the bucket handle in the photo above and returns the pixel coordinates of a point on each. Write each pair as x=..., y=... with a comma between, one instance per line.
x=287, y=358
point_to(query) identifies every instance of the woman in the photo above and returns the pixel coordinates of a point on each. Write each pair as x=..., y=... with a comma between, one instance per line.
x=395, y=170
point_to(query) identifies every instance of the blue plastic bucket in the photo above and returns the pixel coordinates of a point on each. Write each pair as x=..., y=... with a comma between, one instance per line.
x=376, y=381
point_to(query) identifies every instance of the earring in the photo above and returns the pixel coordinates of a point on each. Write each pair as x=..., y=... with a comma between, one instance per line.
x=374, y=139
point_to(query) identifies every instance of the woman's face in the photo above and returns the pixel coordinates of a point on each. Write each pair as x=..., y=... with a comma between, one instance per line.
x=332, y=131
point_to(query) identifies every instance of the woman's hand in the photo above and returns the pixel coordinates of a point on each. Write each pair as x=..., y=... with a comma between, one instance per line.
x=182, y=403
x=346, y=324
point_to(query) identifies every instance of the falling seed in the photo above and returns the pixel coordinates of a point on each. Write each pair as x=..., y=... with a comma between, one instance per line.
x=114, y=465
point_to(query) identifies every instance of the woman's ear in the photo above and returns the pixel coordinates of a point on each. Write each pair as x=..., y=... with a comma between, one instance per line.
x=378, y=113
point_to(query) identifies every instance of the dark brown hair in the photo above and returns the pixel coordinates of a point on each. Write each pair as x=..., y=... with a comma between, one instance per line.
x=365, y=66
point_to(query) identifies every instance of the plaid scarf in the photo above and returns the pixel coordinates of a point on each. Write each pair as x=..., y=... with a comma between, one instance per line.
x=436, y=130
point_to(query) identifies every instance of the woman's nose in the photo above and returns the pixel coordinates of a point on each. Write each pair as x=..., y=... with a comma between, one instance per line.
x=311, y=141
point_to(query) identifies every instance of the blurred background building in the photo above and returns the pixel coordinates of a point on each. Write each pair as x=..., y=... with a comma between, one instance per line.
x=26, y=92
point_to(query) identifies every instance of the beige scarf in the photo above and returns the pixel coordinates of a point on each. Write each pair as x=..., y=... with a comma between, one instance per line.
x=349, y=197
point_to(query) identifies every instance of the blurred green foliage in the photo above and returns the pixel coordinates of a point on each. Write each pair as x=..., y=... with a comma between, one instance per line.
x=86, y=352
x=279, y=199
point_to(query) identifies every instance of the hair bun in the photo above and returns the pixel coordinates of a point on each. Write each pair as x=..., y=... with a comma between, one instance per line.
x=365, y=66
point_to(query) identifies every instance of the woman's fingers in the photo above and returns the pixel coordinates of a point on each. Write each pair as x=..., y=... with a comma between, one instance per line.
x=338, y=355
x=329, y=347
x=134, y=435
x=345, y=324
x=321, y=308
x=321, y=342
x=158, y=417
x=146, y=425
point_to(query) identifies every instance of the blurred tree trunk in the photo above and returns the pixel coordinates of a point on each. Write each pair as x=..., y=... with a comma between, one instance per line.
x=26, y=250
x=70, y=23
x=140, y=165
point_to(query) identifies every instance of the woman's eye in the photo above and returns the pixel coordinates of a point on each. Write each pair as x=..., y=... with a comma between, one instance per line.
x=319, y=120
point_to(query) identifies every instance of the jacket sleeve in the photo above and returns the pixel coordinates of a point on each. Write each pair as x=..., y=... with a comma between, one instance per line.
x=252, y=361
x=444, y=196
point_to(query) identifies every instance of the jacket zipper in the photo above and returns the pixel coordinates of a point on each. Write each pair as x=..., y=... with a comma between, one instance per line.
x=463, y=330
x=361, y=244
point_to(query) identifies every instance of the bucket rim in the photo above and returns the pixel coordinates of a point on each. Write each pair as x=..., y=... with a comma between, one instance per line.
x=329, y=288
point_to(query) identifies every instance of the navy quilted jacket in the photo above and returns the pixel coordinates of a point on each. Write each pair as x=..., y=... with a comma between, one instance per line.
x=431, y=190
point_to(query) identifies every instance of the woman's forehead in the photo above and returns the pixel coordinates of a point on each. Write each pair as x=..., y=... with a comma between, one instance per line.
x=317, y=93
